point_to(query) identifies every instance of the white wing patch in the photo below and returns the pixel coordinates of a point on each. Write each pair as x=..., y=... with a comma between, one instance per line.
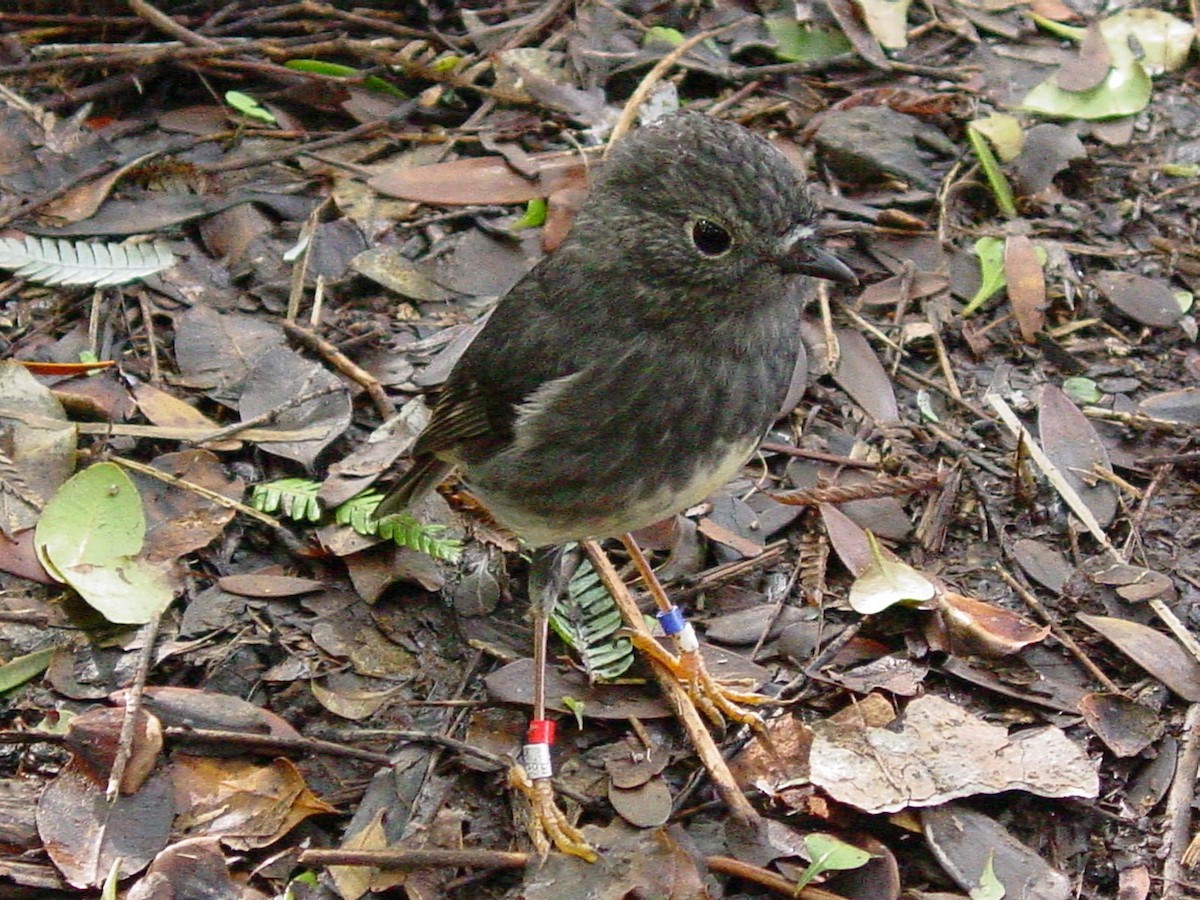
x=533, y=407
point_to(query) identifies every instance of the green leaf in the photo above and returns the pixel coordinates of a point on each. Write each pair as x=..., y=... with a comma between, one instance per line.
x=20, y=669
x=1001, y=189
x=829, y=853
x=1058, y=29
x=400, y=528
x=95, y=516
x=534, y=217
x=660, y=34
x=1082, y=390
x=1003, y=133
x=320, y=67
x=1124, y=91
x=990, y=887
x=576, y=708
x=88, y=537
x=834, y=853
x=990, y=251
x=249, y=107
x=1180, y=170
x=925, y=406
x=336, y=70
x=805, y=43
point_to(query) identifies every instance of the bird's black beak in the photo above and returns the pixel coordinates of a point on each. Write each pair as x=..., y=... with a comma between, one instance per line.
x=806, y=258
x=801, y=253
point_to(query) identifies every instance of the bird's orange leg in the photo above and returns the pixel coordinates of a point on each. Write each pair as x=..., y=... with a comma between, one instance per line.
x=719, y=701
x=545, y=822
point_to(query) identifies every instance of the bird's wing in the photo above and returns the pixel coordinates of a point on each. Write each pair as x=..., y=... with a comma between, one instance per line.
x=465, y=413
x=527, y=344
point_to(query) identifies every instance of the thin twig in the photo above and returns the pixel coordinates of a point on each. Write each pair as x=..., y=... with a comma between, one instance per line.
x=209, y=495
x=676, y=694
x=335, y=357
x=133, y=707
x=655, y=75
x=1065, y=639
x=1179, y=804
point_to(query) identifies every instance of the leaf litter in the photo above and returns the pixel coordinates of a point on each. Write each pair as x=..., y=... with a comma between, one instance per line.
x=995, y=659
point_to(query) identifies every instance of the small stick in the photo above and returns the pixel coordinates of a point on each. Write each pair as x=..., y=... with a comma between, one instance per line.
x=687, y=714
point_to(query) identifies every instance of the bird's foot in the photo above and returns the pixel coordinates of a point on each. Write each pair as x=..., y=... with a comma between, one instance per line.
x=720, y=701
x=547, y=823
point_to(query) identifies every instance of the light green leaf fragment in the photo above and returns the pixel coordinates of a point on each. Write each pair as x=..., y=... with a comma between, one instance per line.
x=96, y=515
x=320, y=67
x=1180, y=170
x=89, y=536
x=1068, y=32
x=1003, y=133
x=887, y=20
x=834, y=853
x=576, y=707
x=660, y=34
x=1082, y=390
x=925, y=405
x=826, y=853
x=1001, y=189
x=1124, y=91
x=805, y=43
x=990, y=251
x=534, y=215
x=249, y=107
x=1159, y=41
x=989, y=887
x=20, y=669
x=887, y=582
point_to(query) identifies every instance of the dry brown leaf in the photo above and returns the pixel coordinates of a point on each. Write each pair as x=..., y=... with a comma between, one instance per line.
x=1026, y=285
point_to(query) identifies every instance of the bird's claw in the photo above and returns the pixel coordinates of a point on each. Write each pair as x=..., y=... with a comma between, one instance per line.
x=720, y=701
x=547, y=823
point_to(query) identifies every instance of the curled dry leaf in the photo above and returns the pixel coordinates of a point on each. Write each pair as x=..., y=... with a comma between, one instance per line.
x=94, y=738
x=987, y=629
x=244, y=803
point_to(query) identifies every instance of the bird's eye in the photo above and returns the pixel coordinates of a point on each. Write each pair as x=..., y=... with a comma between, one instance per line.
x=710, y=238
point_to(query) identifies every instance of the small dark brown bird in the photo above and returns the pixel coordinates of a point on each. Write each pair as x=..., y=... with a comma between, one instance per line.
x=633, y=371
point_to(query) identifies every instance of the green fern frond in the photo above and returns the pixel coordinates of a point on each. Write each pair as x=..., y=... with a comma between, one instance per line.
x=401, y=528
x=295, y=498
x=587, y=620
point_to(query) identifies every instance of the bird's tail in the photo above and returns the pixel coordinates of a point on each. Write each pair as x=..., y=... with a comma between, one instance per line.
x=424, y=476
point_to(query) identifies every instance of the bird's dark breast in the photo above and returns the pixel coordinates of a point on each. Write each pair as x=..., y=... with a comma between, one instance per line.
x=649, y=449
